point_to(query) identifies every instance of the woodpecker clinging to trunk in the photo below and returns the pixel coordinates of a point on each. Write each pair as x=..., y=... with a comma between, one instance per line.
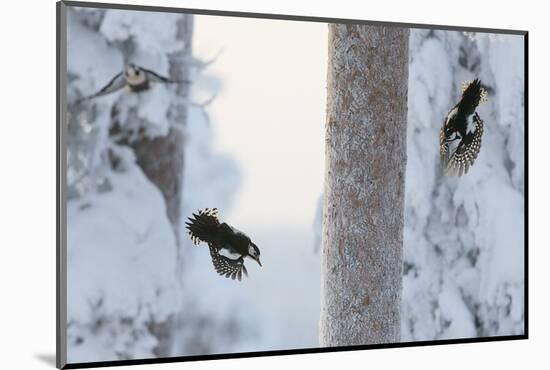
x=462, y=125
x=136, y=78
x=228, y=246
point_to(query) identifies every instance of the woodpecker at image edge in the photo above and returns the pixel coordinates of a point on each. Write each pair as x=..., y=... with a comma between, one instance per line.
x=134, y=77
x=228, y=246
x=460, y=135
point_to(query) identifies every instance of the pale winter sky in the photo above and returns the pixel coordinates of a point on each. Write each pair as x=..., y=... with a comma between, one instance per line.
x=270, y=113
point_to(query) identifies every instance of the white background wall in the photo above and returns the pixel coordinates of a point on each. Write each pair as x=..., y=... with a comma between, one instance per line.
x=27, y=193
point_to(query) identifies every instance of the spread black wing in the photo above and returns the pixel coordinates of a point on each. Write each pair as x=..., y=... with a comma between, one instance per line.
x=230, y=268
x=116, y=83
x=153, y=76
x=443, y=145
x=203, y=226
x=467, y=151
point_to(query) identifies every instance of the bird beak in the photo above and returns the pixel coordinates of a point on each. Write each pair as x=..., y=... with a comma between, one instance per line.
x=258, y=260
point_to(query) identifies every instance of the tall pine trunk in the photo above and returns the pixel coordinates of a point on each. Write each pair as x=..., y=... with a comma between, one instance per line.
x=364, y=185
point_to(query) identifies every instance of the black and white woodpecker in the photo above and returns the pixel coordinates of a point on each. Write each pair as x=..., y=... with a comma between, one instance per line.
x=134, y=77
x=460, y=135
x=228, y=246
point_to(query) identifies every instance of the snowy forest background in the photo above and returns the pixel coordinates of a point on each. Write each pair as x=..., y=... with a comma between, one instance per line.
x=136, y=291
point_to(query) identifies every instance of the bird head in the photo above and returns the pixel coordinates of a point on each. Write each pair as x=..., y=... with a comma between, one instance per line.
x=452, y=135
x=254, y=252
x=450, y=130
x=134, y=74
x=131, y=70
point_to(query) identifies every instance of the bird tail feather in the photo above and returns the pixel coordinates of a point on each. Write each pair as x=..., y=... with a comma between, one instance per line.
x=203, y=226
x=472, y=95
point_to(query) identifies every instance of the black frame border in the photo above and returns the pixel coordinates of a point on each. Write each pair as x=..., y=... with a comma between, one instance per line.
x=61, y=276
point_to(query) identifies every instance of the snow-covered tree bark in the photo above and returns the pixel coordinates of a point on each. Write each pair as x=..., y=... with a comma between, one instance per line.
x=161, y=157
x=364, y=185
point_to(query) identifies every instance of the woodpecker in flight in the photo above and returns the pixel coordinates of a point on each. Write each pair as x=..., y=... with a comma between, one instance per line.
x=228, y=246
x=136, y=78
x=463, y=126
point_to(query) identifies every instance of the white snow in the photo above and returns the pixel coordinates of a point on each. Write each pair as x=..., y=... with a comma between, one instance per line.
x=464, y=237
x=116, y=243
x=152, y=31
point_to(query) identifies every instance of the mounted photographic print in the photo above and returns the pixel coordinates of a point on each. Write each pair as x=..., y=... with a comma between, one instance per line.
x=235, y=185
